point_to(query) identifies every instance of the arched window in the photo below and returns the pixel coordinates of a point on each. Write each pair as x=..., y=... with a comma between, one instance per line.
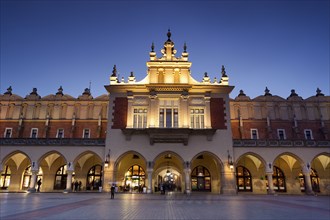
x=61, y=177
x=27, y=177
x=134, y=178
x=5, y=178
x=278, y=180
x=314, y=181
x=244, y=179
x=200, y=179
x=94, y=178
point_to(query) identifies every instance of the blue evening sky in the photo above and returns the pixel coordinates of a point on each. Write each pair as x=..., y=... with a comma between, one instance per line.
x=281, y=44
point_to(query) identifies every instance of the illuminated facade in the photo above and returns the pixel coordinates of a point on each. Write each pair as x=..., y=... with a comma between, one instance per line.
x=167, y=131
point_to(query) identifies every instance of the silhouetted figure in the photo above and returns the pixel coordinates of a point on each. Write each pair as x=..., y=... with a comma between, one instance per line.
x=112, y=191
x=39, y=184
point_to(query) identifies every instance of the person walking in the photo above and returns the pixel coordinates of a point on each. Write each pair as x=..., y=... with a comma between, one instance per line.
x=39, y=184
x=112, y=190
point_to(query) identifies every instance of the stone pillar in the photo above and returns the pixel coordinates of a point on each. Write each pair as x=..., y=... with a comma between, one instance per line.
x=228, y=180
x=184, y=111
x=69, y=181
x=149, y=186
x=109, y=176
x=207, y=113
x=308, y=183
x=270, y=183
x=32, y=186
x=187, y=172
x=130, y=110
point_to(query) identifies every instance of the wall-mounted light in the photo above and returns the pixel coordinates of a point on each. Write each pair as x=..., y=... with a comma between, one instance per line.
x=230, y=161
x=308, y=165
x=107, y=160
x=270, y=165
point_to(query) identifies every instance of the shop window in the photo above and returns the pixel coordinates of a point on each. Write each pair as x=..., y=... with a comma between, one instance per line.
x=94, y=178
x=200, y=179
x=61, y=177
x=279, y=180
x=314, y=181
x=5, y=178
x=27, y=177
x=244, y=179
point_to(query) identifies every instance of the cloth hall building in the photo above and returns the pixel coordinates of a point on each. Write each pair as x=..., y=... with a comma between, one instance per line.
x=167, y=131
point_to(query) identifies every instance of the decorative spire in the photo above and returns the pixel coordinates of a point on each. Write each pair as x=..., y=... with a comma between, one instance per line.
x=87, y=92
x=132, y=74
x=185, y=47
x=152, y=47
x=34, y=91
x=114, y=71
x=60, y=91
x=9, y=91
x=318, y=92
x=205, y=74
x=223, y=71
x=267, y=93
x=293, y=93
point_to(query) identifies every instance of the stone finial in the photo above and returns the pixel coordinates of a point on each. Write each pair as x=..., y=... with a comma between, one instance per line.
x=9, y=91
x=205, y=74
x=318, y=92
x=132, y=74
x=60, y=91
x=185, y=47
x=267, y=92
x=87, y=91
x=34, y=91
x=293, y=93
x=152, y=47
x=241, y=93
x=223, y=71
x=169, y=35
x=114, y=71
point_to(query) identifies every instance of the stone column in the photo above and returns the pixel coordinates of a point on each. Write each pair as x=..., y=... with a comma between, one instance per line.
x=308, y=183
x=32, y=186
x=187, y=172
x=149, y=185
x=207, y=113
x=109, y=176
x=228, y=180
x=130, y=110
x=270, y=183
x=69, y=181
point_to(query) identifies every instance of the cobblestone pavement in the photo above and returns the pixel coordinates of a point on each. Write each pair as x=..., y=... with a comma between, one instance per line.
x=154, y=206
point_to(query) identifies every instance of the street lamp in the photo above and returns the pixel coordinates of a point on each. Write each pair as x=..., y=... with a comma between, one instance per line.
x=230, y=161
x=107, y=160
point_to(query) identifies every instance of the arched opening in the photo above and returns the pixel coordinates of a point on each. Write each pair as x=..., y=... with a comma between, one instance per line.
x=5, y=178
x=278, y=180
x=94, y=178
x=244, y=179
x=134, y=179
x=27, y=174
x=61, y=178
x=200, y=179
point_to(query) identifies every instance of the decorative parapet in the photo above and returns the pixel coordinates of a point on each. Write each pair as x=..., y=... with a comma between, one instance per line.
x=279, y=143
x=51, y=142
x=169, y=135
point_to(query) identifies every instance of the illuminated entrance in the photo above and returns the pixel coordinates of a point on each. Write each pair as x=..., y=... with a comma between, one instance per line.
x=200, y=179
x=134, y=179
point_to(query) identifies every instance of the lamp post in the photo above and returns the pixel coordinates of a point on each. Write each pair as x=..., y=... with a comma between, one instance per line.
x=107, y=160
x=230, y=161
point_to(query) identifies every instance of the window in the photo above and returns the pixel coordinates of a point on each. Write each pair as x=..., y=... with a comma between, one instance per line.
x=134, y=178
x=60, y=133
x=168, y=118
x=278, y=180
x=197, y=118
x=8, y=132
x=34, y=133
x=281, y=134
x=140, y=118
x=5, y=178
x=254, y=134
x=308, y=134
x=94, y=178
x=200, y=179
x=86, y=133
x=244, y=179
